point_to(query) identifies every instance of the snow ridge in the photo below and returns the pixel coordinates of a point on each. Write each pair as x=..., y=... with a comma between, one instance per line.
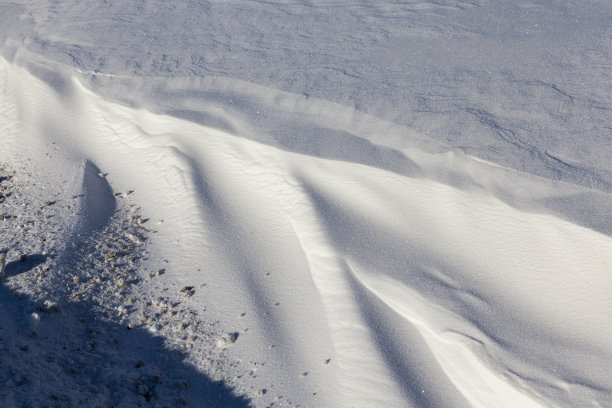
x=409, y=207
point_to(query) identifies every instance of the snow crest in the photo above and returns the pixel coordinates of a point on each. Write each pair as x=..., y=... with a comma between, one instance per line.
x=212, y=229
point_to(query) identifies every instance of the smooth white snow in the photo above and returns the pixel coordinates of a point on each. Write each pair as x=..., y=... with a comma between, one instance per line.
x=333, y=234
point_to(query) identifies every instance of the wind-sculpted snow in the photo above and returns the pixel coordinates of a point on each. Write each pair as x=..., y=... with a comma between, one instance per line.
x=509, y=82
x=316, y=204
x=352, y=281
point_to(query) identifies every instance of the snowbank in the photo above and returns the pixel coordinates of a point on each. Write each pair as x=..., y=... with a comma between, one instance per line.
x=298, y=249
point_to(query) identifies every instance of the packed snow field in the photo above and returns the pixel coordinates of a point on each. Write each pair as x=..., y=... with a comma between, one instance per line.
x=306, y=203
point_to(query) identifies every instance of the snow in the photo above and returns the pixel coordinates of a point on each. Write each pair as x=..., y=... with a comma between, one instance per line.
x=315, y=204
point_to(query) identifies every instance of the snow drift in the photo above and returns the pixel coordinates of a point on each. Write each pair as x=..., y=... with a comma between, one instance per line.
x=350, y=259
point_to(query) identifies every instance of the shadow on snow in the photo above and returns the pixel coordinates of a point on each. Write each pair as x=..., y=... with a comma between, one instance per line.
x=71, y=357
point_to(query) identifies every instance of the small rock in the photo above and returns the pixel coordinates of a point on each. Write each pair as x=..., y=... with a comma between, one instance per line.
x=111, y=256
x=144, y=391
x=51, y=307
x=188, y=291
x=227, y=339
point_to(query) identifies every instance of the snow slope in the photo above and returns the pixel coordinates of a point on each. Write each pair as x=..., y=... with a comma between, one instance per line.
x=306, y=211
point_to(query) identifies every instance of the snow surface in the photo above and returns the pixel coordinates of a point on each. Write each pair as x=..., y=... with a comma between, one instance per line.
x=306, y=203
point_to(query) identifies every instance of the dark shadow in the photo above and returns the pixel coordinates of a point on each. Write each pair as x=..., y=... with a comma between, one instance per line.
x=203, y=117
x=24, y=264
x=73, y=357
x=98, y=203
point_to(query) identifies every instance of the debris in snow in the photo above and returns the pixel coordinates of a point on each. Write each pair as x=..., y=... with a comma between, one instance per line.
x=144, y=391
x=227, y=339
x=133, y=238
x=34, y=320
x=51, y=307
x=111, y=256
x=188, y=291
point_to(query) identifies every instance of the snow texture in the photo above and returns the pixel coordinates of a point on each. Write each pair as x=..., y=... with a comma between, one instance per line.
x=306, y=203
